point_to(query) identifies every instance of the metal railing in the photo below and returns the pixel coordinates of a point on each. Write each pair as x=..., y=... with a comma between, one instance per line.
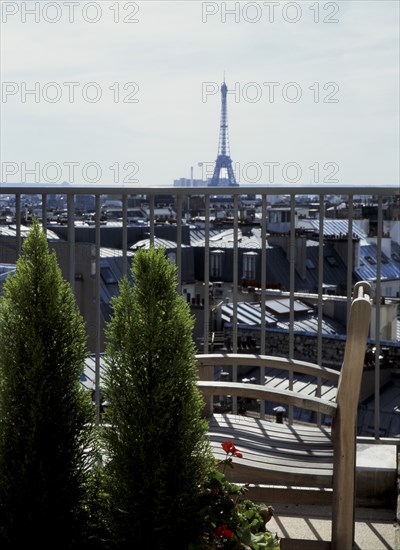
x=377, y=195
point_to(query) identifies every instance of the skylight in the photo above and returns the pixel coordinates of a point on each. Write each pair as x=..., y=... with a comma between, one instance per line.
x=370, y=260
x=108, y=276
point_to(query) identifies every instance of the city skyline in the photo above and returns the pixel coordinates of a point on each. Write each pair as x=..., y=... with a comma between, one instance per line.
x=107, y=92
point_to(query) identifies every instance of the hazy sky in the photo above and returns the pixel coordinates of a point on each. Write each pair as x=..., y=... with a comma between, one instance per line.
x=114, y=92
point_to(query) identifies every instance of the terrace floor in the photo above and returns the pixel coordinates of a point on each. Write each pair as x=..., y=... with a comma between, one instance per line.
x=308, y=528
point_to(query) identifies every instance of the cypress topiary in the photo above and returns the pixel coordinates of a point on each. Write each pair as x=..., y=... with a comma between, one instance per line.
x=158, y=455
x=45, y=413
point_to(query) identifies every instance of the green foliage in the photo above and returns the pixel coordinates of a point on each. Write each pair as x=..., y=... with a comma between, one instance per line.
x=45, y=414
x=229, y=520
x=155, y=440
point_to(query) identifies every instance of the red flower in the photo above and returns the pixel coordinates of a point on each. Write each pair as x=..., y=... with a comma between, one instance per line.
x=223, y=531
x=227, y=446
x=230, y=448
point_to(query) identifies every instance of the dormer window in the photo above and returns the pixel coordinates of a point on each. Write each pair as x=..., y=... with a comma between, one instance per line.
x=249, y=265
x=216, y=261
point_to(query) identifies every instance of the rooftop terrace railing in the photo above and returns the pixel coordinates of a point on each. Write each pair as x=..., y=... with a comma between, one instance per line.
x=379, y=196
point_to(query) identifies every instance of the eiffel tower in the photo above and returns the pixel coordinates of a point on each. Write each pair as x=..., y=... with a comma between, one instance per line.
x=223, y=159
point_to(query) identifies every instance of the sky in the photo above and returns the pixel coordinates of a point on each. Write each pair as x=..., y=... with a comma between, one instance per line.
x=120, y=92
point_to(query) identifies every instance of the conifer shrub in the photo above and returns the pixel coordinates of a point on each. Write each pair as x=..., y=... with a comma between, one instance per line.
x=47, y=441
x=158, y=457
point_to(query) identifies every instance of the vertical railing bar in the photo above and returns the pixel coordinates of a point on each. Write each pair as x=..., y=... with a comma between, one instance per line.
x=378, y=300
x=208, y=372
x=179, y=242
x=263, y=270
x=235, y=290
x=263, y=228
x=292, y=265
x=124, y=235
x=206, y=273
x=71, y=239
x=292, y=273
x=320, y=276
x=350, y=254
x=44, y=213
x=18, y=224
x=234, y=285
x=152, y=220
x=97, y=310
x=320, y=292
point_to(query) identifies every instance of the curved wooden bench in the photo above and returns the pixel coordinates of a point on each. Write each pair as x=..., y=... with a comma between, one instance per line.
x=291, y=457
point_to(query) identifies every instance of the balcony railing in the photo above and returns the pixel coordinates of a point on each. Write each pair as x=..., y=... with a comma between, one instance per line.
x=206, y=205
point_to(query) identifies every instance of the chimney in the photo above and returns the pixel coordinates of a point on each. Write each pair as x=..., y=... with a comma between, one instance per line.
x=300, y=250
x=341, y=245
x=301, y=255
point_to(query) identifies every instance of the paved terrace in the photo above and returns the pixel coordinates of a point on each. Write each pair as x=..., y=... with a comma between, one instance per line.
x=305, y=528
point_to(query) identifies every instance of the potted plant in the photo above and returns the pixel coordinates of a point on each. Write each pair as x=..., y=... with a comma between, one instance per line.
x=230, y=520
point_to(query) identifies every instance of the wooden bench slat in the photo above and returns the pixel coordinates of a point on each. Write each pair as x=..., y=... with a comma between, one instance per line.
x=250, y=471
x=266, y=432
x=302, y=383
x=273, y=461
x=264, y=393
x=281, y=454
x=254, y=360
x=255, y=446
